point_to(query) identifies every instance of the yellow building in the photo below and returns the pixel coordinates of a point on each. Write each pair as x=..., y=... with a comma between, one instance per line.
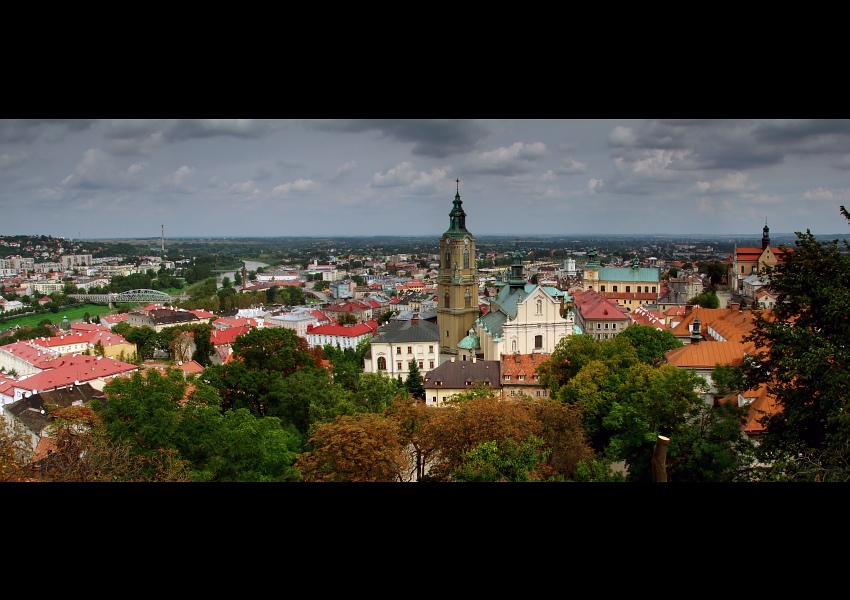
x=457, y=282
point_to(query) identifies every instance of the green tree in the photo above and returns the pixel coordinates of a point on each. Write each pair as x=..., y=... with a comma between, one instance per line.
x=706, y=300
x=413, y=384
x=651, y=343
x=503, y=462
x=346, y=319
x=803, y=362
x=274, y=349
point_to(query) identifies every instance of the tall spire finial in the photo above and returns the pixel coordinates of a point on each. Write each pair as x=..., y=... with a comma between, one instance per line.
x=458, y=185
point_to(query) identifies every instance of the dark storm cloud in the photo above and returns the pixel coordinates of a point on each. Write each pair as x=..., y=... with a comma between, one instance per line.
x=806, y=136
x=29, y=130
x=700, y=144
x=435, y=138
x=190, y=129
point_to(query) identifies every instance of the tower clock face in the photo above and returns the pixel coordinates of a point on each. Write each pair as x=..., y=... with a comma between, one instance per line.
x=466, y=241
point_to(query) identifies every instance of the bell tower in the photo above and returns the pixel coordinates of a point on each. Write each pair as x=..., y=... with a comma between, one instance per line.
x=457, y=281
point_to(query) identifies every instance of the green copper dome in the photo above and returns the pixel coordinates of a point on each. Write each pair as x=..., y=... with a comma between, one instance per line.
x=470, y=342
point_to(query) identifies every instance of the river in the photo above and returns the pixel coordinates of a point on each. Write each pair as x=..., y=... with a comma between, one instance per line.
x=250, y=265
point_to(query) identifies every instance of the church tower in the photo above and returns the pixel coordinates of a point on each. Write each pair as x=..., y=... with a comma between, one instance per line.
x=765, y=236
x=457, y=281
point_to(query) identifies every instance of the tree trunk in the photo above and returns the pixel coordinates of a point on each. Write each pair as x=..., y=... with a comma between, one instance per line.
x=659, y=459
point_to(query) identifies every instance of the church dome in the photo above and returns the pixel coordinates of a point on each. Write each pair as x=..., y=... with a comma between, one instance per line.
x=470, y=342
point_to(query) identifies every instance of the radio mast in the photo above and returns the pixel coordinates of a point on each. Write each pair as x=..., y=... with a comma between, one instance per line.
x=163, y=241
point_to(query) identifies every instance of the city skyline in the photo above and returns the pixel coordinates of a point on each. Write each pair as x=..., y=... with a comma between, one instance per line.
x=263, y=178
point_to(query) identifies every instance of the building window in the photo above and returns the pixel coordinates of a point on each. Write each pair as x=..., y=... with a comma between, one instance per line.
x=466, y=258
x=521, y=377
x=601, y=288
x=467, y=299
x=538, y=393
x=446, y=302
x=538, y=342
x=382, y=363
x=448, y=257
x=430, y=364
x=430, y=349
x=544, y=393
x=398, y=366
x=398, y=350
x=615, y=288
x=599, y=325
x=421, y=365
x=410, y=348
x=606, y=325
x=507, y=377
x=613, y=326
x=512, y=392
x=653, y=289
x=537, y=378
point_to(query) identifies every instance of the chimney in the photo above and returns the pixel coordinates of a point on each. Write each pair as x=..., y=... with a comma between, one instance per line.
x=473, y=359
x=734, y=306
x=688, y=308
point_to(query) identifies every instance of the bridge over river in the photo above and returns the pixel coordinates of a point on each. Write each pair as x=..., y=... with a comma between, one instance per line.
x=128, y=296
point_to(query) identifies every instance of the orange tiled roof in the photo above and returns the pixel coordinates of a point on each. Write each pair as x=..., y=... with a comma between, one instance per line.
x=522, y=364
x=706, y=355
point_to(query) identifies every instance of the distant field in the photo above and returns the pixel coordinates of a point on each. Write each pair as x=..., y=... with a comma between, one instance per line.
x=74, y=313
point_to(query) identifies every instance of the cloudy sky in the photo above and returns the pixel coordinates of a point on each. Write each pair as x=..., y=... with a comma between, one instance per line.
x=238, y=177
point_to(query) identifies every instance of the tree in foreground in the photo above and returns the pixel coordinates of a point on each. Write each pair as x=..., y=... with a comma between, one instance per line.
x=15, y=452
x=362, y=448
x=803, y=362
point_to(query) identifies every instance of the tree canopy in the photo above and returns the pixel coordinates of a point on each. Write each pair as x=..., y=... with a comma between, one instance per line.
x=803, y=360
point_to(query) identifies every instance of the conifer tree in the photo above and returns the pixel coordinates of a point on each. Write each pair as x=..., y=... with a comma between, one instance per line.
x=413, y=383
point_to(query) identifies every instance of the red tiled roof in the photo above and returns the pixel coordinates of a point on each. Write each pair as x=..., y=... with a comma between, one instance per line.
x=228, y=335
x=357, y=330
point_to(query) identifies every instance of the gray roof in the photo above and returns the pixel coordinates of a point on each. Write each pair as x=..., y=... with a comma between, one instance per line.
x=464, y=373
x=407, y=331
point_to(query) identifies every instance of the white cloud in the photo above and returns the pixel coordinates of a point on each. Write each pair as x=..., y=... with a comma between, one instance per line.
x=622, y=137
x=299, y=186
x=822, y=194
x=595, y=186
x=731, y=182
x=571, y=167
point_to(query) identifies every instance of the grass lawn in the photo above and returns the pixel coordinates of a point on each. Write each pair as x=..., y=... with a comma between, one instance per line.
x=74, y=313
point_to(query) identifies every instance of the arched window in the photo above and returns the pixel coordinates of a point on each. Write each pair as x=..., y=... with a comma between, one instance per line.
x=447, y=302
x=466, y=258
x=467, y=299
x=382, y=363
x=448, y=258
x=615, y=288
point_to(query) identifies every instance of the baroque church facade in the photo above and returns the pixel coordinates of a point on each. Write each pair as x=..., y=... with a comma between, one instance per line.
x=523, y=318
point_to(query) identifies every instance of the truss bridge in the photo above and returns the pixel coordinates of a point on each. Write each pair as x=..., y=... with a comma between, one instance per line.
x=154, y=296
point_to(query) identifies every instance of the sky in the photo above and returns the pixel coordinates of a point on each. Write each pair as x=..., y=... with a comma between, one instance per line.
x=108, y=178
